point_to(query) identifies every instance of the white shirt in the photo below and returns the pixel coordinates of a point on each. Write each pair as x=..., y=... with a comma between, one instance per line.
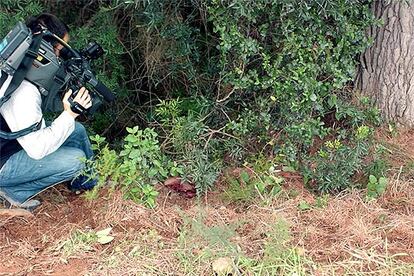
x=23, y=109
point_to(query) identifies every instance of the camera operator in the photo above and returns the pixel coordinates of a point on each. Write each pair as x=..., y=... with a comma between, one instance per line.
x=50, y=155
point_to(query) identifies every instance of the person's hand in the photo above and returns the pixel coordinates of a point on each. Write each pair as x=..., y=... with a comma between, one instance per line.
x=83, y=98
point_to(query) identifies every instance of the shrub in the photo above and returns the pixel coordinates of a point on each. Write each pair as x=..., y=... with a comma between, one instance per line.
x=12, y=11
x=136, y=168
x=221, y=80
x=334, y=165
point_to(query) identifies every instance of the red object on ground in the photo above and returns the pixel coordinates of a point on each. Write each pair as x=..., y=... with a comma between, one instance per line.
x=182, y=187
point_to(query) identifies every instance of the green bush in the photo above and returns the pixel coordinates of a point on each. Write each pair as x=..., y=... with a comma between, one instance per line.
x=136, y=168
x=336, y=162
x=221, y=80
x=12, y=11
x=294, y=55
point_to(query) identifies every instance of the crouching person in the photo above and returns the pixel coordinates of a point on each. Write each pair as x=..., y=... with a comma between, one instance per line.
x=47, y=156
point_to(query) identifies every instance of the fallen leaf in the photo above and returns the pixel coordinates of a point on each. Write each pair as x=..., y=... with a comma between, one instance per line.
x=104, y=232
x=105, y=239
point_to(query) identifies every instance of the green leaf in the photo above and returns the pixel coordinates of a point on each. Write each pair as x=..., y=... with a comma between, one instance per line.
x=132, y=130
x=135, y=190
x=278, y=180
x=382, y=181
x=163, y=172
x=131, y=139
x=157, y=163
x=134, y=154
x=303, y=205
x=150, y=202
x=382, y=184
x=152, y=172
x=245, y=177
x=260, y=186
x=275, y=190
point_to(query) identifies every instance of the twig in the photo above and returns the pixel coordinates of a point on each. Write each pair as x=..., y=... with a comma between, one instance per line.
x=226, y=97
x=114, y=121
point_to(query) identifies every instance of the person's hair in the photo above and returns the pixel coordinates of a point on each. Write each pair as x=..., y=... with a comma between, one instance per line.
x=49, y=21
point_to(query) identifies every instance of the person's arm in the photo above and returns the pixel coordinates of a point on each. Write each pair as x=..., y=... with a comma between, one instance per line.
x=24, y=109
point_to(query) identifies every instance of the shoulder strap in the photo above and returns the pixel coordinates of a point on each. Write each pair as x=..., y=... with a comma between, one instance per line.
x=51, y=102
x=20, y=133
x=3, y=78
x=17, y=79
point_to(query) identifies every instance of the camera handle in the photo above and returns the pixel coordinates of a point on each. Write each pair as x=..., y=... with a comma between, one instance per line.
x=61, y=41
x=76, y=107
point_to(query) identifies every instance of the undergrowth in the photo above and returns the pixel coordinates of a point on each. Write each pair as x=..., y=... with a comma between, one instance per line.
x=212, y=83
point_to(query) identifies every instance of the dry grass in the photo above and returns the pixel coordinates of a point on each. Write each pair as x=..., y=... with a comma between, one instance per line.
x=349, y=236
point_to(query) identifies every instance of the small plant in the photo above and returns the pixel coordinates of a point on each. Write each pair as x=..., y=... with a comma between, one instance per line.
x=279, y=258
x=333, y=167
x=375, y=187
x=379, y=164
x=304, y=205
x=246, y=187
x=106, y=160
x=138, y=166
x=84, y=241
x=322, y=201
x=199, y=169
x=201, y=243
x=142, y=166
x=149, y=195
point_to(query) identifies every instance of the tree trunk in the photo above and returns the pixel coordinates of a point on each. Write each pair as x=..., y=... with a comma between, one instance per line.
x=386, y=73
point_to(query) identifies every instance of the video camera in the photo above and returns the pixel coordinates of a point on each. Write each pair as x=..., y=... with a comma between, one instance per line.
x=79, y=73
x=51, y=74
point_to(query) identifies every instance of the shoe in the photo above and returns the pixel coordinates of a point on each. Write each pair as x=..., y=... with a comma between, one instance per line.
x=29, y=205
x=82, y=183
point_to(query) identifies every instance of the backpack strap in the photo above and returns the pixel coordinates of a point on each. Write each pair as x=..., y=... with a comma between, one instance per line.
x=51, y=102
x=3, y=78
x=17, y=79
x=20, y=133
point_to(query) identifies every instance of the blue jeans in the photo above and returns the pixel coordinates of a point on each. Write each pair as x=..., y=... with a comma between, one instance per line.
x=22, y=177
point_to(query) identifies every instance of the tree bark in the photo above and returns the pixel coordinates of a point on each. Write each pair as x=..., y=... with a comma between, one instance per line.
x=386, y=73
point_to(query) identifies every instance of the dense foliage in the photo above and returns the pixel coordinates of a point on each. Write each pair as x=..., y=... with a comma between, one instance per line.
x=224, y=81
